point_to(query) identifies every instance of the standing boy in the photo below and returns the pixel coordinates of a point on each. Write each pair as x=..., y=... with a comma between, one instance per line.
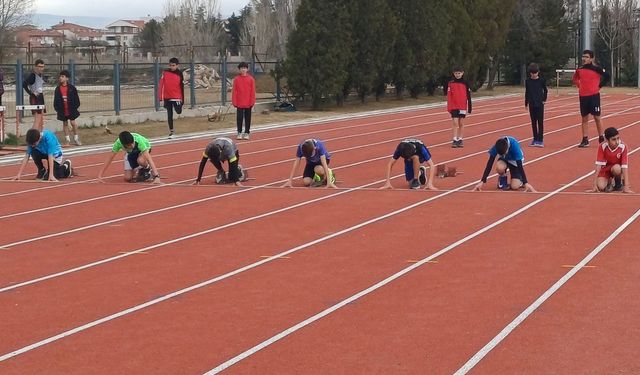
x=171, y=91
x=138, y=163
x=66, y=103
x=510, y=159
x=612, y=163
x=220, y=150
x=316, y=171
x=45, y=146
x=534, y=97
x=243, y=97
x=458, y=104
x=34, y=86
x=414, y=152
x=589, y=78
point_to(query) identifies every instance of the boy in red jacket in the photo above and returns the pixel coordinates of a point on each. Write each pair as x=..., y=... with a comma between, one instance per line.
x=243, y=97
x=171, y=91
x=458, y=104
x=589, y=78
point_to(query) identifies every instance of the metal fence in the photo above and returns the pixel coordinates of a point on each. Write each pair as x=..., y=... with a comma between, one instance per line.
x=111, y=88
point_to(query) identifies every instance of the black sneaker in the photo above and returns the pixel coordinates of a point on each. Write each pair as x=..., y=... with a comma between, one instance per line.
x=460, y=143
x=68, y=169
x=423, y=175
x=600, y=138
x=454, y=144
x=41, y=174
x=415, y=184
x=618, y=185
x=584, y=143
x=144, y=174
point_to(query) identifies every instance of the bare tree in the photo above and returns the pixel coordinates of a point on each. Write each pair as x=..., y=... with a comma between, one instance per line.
x=271, y=22
x=190, y=23
x=13, y=14
x=614, y=18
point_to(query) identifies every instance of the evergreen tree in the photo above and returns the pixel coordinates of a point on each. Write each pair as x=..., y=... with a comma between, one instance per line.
x=150, y=38
x=319, y=50
x=373, y=29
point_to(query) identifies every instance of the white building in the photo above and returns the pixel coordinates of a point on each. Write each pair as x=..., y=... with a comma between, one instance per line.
x=123, y=31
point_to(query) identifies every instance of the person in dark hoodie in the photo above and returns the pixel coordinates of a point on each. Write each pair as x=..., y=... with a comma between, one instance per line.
x=171, y=91
x=243, y=97
x=1, y=85
x=66, y=103
x=458, y=104
x=534, y=97
x=589, y=78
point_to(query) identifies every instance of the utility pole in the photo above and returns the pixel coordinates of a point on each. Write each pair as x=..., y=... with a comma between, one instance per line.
x=586, y=24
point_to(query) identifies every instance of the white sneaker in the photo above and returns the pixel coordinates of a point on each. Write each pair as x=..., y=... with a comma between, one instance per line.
x=239, y=136
x=77, y=142
x=171, y=135
x=245, y=136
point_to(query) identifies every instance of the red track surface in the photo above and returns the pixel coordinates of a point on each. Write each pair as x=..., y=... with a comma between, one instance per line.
x=96, y=278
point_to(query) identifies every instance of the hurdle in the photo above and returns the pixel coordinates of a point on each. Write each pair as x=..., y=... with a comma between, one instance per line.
x=20, y=108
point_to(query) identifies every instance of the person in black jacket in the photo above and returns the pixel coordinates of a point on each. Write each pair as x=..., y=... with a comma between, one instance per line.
x=534, y=98
x=66, y=103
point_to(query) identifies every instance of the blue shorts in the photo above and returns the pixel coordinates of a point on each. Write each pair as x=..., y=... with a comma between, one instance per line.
x=408, y=170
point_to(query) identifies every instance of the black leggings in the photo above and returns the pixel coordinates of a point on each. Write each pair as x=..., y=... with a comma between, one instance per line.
x=243, y=113
x=170, y=106
x=537, y=120
x=59, y=171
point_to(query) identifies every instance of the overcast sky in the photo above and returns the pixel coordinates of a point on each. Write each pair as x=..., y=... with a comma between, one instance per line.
x=125, y=9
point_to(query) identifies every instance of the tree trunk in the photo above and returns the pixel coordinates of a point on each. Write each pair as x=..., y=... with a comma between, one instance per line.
x=612, y=72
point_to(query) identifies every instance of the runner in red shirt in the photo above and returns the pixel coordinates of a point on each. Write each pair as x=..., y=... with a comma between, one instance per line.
x=612, y=163
x=458, y=104
x=589, y=78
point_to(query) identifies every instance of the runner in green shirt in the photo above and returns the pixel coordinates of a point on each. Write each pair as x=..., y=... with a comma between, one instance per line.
x=138, y=163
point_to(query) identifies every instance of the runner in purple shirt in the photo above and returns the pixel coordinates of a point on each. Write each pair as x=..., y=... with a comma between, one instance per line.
x=318, y=159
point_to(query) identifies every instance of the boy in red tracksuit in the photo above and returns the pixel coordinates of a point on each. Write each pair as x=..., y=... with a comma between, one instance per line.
x=458, y=104
x=589, y=78
x=243, y=97
x=171, y=91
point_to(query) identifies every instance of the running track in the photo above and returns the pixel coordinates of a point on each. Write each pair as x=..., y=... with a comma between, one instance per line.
x=121, y=278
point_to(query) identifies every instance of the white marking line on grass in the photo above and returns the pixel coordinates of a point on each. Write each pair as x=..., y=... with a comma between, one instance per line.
x=249, y=267
x=386, y=281
x=471, y=363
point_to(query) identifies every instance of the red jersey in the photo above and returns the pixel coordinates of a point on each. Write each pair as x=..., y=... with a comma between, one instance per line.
x=243, y=94
x=608, y=157
x=458, y=95
x=589, y=78
x=171, y=85
x=64, y=92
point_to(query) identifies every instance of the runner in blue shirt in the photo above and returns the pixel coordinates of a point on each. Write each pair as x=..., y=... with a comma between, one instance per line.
x=414, y=152
x=41, y=147
x=510, y=158
x=318, y=159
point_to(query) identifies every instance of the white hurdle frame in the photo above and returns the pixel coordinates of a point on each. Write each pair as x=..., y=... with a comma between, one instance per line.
x=20, y=108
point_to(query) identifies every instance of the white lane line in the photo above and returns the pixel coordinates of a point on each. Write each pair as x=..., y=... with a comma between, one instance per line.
x=74, y=230
x=107, y=260
x=254, y=265
x=299, y=124
x=261, y=151
x=386, y=281
x=278, y=162
x=473, y=361
x=252, y=152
